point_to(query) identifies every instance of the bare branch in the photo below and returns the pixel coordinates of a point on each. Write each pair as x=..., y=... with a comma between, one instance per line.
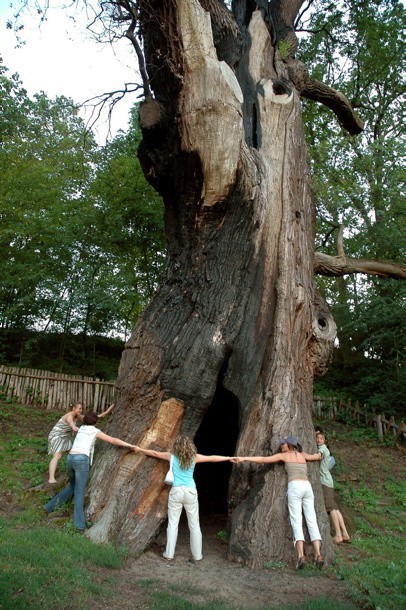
x=110, y=98
x=317, y=91
x=337, y=266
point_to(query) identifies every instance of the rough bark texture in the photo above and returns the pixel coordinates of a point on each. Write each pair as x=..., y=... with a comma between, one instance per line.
x=228, y=348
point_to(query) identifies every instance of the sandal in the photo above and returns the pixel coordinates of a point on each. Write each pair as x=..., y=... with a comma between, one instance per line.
x=301, y=563
x=319, y=561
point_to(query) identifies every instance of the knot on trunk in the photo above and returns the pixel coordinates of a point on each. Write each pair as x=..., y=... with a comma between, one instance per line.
x=321, y=344
x=150, y=113
x=281, y=87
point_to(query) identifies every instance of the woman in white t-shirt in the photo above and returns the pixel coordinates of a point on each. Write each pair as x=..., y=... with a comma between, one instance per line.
x=78, y=465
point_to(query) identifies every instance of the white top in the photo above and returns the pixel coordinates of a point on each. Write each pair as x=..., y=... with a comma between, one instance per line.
x=84, y=441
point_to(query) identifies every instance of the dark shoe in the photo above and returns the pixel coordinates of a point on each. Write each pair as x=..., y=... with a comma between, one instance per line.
x=301, y=563
x=319, y=561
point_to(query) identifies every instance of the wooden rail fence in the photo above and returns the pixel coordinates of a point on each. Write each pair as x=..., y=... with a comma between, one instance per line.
x=55, y=391
x=332, y=407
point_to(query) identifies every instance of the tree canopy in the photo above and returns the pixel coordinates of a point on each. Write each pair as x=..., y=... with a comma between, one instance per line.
x=82, y=232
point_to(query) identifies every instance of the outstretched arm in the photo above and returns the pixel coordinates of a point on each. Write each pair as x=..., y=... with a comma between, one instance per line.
x=160, y=455
x=211, y=458
x=113, y=441
x=313, y=457
x=259, y=459
x=106, y=412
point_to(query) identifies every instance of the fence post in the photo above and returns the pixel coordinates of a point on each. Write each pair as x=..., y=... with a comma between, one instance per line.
x=378, y=420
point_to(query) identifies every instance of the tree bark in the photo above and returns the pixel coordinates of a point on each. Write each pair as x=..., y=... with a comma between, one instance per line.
x=231, y=342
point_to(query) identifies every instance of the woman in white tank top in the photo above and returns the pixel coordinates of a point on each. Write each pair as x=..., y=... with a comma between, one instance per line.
x=300, y=494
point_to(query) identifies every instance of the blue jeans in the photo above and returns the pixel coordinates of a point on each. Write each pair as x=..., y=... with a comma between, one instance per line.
x=78, y=466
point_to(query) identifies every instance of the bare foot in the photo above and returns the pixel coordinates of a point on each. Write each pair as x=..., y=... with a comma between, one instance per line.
x=338, y=539
x=52, y=482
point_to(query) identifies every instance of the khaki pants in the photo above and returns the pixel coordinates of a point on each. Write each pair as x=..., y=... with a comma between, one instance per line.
x=183, y=497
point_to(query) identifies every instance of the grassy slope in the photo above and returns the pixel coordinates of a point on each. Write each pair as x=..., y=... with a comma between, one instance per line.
x=42, y=564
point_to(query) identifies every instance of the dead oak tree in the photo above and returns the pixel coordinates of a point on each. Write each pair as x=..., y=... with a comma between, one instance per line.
x=228, y=349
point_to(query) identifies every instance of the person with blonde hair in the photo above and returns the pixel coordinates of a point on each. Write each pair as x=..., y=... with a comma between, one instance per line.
x=300, y=494
x=183, y=493
x=60, y=439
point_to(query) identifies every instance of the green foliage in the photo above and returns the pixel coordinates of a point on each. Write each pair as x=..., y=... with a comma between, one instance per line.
x=356, y=48
x=82, y=245
x=284, y=48
x=94, y=356
x=222, y=536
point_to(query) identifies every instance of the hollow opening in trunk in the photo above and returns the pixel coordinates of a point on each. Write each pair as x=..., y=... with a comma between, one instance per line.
x=217, y=435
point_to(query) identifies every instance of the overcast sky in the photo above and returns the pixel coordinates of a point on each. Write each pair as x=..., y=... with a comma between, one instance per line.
x=61, y=59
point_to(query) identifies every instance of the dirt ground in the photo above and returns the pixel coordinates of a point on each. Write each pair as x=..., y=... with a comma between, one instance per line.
x=236, y=586
x=217, y=579
x=239, y=587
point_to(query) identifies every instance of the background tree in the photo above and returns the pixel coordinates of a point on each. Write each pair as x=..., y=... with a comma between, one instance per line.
x=82, y=231
x=357, y=184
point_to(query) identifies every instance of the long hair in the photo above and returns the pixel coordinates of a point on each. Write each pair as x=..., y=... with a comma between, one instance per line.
x=185, y=451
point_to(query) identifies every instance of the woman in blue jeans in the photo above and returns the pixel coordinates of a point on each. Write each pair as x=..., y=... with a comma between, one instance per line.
x=183, y=493
x=78, y=465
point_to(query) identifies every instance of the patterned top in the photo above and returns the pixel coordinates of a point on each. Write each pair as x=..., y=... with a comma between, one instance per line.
x=60, y=438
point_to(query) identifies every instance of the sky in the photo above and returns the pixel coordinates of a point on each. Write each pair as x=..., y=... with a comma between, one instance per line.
x=60, y=58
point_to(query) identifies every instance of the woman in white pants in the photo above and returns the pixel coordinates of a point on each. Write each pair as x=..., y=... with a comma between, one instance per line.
x=300, y=494
x=183, y=493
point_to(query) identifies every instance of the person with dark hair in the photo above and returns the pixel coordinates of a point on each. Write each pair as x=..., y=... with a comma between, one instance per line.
x=300, y=494
x=183, y=494
x=61, y=437
x=327, y=484
x=78, y=465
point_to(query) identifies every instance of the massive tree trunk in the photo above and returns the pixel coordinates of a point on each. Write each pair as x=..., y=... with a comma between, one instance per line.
x=228, y=349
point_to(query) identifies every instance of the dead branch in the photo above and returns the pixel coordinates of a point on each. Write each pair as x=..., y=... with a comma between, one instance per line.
x=317, y=91
x=337, y=266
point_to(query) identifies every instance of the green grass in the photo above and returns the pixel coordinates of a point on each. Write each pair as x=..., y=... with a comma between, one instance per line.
x=378, y=573
x=41, y=566
x=376, y=566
